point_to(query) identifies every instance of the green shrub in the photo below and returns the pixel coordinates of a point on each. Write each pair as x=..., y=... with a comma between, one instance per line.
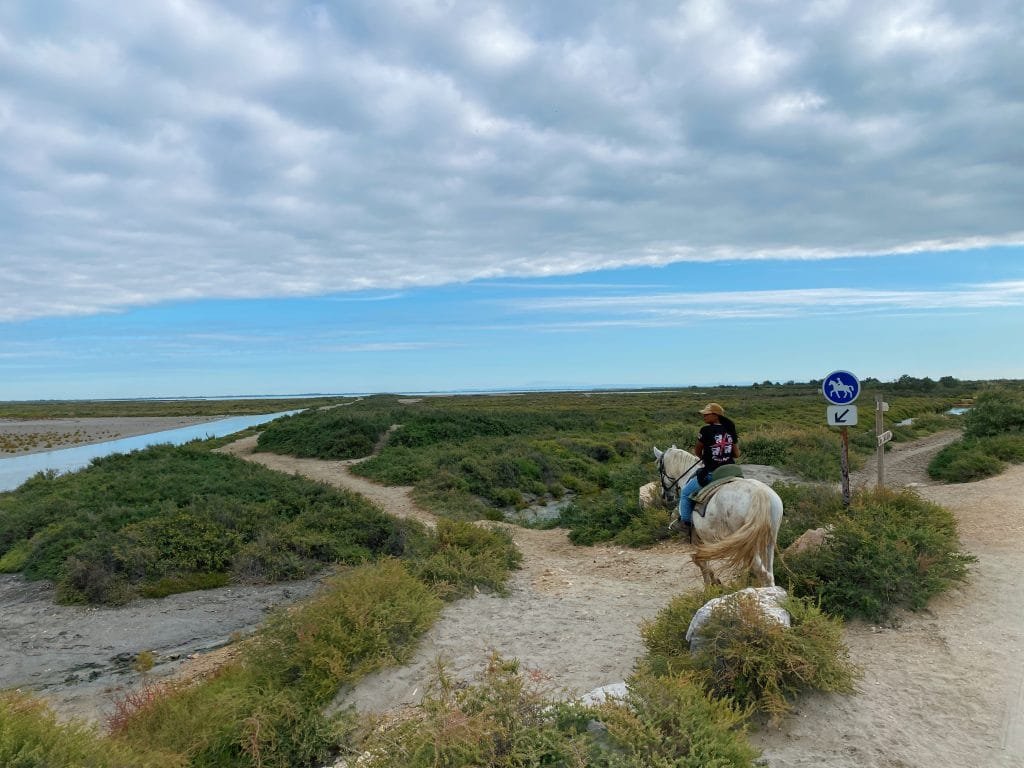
x=266, y=708
x=995, y=412
x=964, y=461
x=806, y=506
x=337, y=433
x=360, y=621
x=508, y=720
x=31, y=736
x=504, y=720
x=748, y=658
x=671, y=721
x=892, y=550
x=459, y=558
x=173, y=517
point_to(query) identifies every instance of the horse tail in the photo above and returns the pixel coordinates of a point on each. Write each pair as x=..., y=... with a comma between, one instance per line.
x=743, y=546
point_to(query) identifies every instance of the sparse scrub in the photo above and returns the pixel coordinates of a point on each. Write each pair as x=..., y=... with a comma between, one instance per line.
x=31, y=736
x=748, y=658
x=173, y=519
x=266, y=708
x=993, y=437
x=806, y=506
x=508, y=719
x=891, y=550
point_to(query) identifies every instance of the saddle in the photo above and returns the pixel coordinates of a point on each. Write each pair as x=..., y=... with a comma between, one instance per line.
x=720, y=477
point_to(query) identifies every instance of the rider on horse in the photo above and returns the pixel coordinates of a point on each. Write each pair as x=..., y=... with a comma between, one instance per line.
x=717, y=445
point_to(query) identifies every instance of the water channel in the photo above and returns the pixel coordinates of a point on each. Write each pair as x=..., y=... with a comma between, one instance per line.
x=16, y=470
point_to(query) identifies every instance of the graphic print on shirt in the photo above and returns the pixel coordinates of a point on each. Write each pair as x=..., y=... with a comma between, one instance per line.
x=721, y=448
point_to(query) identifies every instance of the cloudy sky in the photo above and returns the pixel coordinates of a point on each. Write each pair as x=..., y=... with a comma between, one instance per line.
x=257, y=196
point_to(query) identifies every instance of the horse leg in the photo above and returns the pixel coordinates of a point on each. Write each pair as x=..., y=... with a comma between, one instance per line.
x=763, y=574
x=705, y=571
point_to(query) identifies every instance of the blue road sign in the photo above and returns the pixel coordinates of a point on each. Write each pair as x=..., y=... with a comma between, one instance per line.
x=840, y=387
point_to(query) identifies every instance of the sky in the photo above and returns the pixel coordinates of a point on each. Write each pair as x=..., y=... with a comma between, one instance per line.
x=234, y=197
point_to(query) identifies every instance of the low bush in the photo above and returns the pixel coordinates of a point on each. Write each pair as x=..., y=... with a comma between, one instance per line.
x=460, y=558
x=31, y=736
x=806, y=506
x=748, y=658
x=266, y=708
x=171, y=518
x=507, y=719
x=890, y=550
x=993, y=437
x=995, y=412
x=337, y=433
x=976, y=458
x=671, y=721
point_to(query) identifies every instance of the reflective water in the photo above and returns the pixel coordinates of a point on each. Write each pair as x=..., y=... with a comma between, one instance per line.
x=17, y=469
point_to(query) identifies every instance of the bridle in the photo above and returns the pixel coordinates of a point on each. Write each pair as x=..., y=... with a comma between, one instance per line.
x=667, y=488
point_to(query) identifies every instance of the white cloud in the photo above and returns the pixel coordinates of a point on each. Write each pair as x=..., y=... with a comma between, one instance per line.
x=659, y=308
x=158, y=151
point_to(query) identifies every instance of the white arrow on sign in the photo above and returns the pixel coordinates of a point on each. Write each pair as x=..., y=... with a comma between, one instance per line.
x=885, y=437
x=842, y=415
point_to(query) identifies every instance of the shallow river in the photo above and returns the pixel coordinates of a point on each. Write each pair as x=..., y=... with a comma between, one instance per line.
x=17, y=469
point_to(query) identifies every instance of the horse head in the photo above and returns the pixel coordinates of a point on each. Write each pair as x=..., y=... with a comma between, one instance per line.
x=674, y=464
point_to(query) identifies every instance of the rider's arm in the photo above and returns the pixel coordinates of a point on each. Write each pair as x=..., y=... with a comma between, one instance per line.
x=735, y=450
x=698, y=449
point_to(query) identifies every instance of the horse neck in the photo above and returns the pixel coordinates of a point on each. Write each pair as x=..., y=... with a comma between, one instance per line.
x=679, y=461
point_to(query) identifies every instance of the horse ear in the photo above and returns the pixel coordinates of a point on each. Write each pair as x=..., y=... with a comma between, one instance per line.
x=657, y=453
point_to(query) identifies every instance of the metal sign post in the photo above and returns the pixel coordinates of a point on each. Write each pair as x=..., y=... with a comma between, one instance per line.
x=841, y=388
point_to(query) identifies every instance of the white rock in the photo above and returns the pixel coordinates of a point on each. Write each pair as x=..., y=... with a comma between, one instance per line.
x=768, y=598
x=604, y=693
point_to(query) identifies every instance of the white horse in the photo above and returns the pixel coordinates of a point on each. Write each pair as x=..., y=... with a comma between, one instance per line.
x=740, y=523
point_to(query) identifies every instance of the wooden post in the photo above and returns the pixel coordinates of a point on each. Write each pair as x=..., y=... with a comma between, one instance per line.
x=844, y=464
x=879, y=429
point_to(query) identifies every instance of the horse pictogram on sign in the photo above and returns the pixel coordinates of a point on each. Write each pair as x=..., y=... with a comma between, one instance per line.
x=840, y=387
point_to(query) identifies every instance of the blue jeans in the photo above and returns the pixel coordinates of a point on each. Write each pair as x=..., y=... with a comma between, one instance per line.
x=685, y=503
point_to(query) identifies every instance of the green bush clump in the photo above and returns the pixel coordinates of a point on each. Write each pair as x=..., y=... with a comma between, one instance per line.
x=31, y=736
x=995, y=412
x=993, y=437
x=890, y=550
x=671, y=721
x=155, y=520
x=337, y=433
x=508, y=720
x=459, y=558
x=806, y=506
x=267, y=708
x=748, y=658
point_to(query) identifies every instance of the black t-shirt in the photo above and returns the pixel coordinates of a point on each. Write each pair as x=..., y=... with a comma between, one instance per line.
x=718, y=445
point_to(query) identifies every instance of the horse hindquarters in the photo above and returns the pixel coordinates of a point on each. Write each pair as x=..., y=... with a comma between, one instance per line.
x=749, y=547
